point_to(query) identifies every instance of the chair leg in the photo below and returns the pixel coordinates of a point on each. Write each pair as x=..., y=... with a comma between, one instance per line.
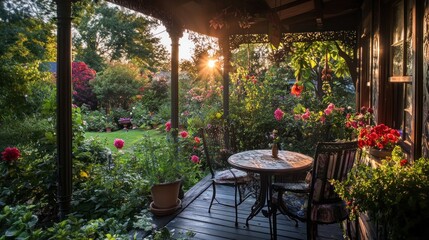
x=236, y=205
x=213, y=196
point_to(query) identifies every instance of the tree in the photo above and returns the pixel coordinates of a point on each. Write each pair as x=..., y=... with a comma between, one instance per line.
x=107, y=34
x=82, y=91
x=309, y=59
x=25, y=42
x=116, y=85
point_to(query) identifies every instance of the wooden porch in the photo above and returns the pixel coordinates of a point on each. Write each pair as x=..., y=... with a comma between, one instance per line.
x=219, y=224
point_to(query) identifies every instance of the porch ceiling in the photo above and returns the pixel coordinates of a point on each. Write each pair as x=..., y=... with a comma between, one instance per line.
x=215, y=17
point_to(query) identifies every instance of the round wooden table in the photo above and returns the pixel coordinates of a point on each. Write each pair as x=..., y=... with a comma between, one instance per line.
x=261, y=161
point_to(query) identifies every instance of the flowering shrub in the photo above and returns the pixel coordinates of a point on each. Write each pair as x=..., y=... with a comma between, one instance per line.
x=10, y=154
x=359, y=119
x=395, y=194
x=379, y=137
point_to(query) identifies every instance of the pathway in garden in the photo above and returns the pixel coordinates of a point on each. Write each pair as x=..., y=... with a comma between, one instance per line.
x=219, y=224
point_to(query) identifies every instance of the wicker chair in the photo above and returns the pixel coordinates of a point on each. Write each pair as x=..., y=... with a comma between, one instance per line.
x=221, y=172
x=317, y=203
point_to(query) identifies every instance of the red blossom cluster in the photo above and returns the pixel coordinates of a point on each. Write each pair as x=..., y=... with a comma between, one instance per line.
x=380, y=137
x=10, y=154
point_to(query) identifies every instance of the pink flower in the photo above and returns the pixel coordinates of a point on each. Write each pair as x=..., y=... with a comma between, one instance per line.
x=197, y=140
x=168, y=126
x=278, y=114
x=331, y=106
x=328, y=111
x=184, y=134
x=306, y=115
x=322, y=119
x=195, y=159
x=119, y=143
x=10, y=154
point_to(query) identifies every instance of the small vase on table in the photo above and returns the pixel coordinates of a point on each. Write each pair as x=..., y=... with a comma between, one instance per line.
x=275, y=150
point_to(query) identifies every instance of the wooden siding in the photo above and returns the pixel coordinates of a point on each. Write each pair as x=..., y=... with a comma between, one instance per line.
x=425, y=140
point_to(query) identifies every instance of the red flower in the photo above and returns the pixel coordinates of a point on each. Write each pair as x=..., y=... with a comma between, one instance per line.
x=184, y=134
x=195, y=159
x=403, y=162
x=11, y=154
x=296, y=89
x=168, y=126
x=380, y=136
x=197, y=140
x=119, y=143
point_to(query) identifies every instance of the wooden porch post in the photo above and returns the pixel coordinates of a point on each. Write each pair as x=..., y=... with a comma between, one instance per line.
x=175, y=33
x=64, y=107
x=225, y=46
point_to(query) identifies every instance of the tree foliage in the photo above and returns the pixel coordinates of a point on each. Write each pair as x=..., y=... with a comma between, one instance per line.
x=116, y=85
x=82, y=91
x=25, y=42
x=106, y=34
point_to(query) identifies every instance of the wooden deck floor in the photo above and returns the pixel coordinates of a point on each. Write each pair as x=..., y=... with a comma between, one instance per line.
x=219, y=224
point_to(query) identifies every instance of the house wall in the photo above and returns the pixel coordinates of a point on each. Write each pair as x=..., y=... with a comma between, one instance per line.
x=376, y=89
x=385, y=96
x=425, y=135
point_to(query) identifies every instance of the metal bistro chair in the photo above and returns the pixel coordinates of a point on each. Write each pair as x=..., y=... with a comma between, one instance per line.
x=317, y=203
x=221, y=172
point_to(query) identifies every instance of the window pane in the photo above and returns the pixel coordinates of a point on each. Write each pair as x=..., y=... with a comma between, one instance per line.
x=397, y=38
x=397, y=59
x=398, y=22
x=408, y=111
x=409, y=56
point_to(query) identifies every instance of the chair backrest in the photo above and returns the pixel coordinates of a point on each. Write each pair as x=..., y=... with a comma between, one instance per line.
x=332, y=161
x=214, y=147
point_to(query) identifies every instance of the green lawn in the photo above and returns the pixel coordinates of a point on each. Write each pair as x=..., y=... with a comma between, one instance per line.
x=130, y=137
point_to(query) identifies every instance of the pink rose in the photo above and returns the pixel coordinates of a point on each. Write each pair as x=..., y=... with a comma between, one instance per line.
x=306, y=115
x=195, y=159
x=331, y=106
x=168, y=126
x=278, y=114
x=328, y=111
x=119, y=143
x=184, y=134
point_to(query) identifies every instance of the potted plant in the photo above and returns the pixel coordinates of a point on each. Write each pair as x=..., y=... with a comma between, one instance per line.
x=380, y=139
x=164, y=165
x=395, y=195
x=109, y=126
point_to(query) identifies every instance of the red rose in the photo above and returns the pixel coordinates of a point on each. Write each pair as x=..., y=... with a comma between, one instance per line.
x=403, y=162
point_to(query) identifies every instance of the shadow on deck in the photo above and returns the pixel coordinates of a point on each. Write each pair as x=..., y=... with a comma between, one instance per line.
x=219, y=224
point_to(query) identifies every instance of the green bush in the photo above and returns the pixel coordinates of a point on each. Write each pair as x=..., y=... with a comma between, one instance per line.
x=94, y=121
x=394, y=194
x=19, y=222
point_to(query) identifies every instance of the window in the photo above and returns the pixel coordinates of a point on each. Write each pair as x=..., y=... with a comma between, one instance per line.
x=401, y=64
x=401, y=49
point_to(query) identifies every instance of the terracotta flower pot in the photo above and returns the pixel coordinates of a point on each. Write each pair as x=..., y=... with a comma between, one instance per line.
x=165, y=198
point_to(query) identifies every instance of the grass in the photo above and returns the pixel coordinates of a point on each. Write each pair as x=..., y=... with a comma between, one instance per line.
x=130, y=137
